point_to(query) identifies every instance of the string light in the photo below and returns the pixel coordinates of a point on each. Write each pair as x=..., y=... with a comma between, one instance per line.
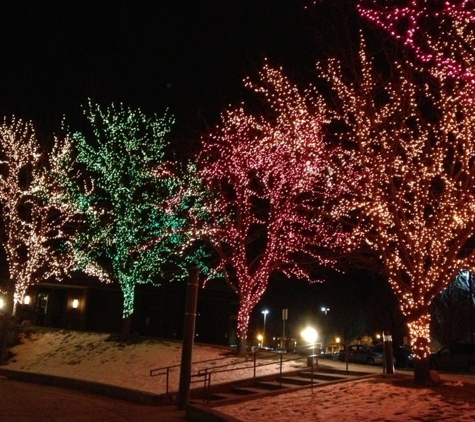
x=440, y=33
x=34, y=231
x=268, y=178
x=417, y=180
x=118, y=180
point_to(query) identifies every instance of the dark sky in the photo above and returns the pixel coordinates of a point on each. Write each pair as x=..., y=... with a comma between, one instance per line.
x=154, y=54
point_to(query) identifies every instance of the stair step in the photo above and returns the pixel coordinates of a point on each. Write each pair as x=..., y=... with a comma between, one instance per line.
x=273, y=385
x=296, y=380
x=324, y=376
x=248, y=390
x=222, y=396
x=276, y=385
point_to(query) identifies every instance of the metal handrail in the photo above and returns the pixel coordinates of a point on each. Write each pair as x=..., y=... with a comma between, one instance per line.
x=207, y=372
x=165, y=370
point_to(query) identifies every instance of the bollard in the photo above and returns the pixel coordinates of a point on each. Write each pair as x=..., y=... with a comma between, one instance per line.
x=388, y=353
x=312, y=360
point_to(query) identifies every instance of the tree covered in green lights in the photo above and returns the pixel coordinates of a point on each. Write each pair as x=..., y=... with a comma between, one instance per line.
x=117, y=177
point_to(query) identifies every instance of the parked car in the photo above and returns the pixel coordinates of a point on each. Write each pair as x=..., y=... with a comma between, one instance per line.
x=403, y=357
x=360, y=353
x=458, y=357
x=326, y=356
x=369, y=355
x=376, y=356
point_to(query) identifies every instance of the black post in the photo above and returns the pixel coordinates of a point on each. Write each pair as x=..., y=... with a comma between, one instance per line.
x=388, y=353
x=7, y=321
x=470, y=290
x=188, y=338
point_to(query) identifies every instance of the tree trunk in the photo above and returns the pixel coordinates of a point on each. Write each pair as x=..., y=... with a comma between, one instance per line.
x=7, y=321
x=241, y=347
x=126, y=328
x=242, y=327
x=422, y=371
x=419, y=335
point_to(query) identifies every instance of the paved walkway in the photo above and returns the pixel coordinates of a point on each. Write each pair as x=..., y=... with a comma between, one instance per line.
x=28, y=402
x=32, y=402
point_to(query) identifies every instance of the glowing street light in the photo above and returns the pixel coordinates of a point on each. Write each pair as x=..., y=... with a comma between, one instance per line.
x=259, y=339
x=325, y=310
x=264, y=312
x=310, y=336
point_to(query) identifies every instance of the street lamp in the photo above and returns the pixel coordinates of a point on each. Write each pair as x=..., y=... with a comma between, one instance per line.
x=264, y=312
x=259, y=339
x=310, y=336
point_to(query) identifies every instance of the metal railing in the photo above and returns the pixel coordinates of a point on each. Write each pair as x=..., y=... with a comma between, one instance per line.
x=205, y=375
x=165, y=370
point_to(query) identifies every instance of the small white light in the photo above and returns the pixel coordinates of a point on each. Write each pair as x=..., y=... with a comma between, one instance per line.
x=2, y=303
x=26, y=300
x=75, y=303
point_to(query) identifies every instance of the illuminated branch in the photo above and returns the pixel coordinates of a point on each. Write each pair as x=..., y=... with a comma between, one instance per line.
x=34, y=235
x=118, y=180
x=440, y=33
x=269, y=178
x=414, y=145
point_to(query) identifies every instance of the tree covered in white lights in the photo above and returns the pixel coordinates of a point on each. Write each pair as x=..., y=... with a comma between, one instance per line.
x=32, y=232
x=411, y=137
x=269, y=174
x=116, y=176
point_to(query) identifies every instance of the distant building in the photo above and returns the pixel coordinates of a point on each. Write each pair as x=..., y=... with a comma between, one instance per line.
x=86, y=304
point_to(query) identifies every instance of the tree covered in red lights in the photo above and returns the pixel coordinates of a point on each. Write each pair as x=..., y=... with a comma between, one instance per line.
x=411, y=137
x=268, y=176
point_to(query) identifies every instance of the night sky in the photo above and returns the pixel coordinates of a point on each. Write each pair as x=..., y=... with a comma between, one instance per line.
x=149, y=54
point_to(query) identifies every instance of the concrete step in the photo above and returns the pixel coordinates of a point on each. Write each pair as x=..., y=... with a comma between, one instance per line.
x=280, y=385
x=325, y=376
x=273, y=385
x=248, y=390
x=296, y=380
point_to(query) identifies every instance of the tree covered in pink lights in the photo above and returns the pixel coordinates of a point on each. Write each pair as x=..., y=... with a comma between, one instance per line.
x=269, y=177
x=440, y=33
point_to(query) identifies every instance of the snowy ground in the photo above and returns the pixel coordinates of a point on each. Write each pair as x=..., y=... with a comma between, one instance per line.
x=93, y=357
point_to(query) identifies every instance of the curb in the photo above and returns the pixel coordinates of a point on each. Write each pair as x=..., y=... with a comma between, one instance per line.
x=135, y=396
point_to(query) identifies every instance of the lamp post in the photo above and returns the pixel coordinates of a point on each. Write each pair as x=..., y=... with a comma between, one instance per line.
x=310, y=336
x=259, y=339
x=264, y=312
x=325, y=310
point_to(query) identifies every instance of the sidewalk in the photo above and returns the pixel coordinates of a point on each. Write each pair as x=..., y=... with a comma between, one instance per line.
x=28, y=402
x=22, y=401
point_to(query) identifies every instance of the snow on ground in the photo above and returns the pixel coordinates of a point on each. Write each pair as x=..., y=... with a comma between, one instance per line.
x=94, y=357
x=369, y=400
